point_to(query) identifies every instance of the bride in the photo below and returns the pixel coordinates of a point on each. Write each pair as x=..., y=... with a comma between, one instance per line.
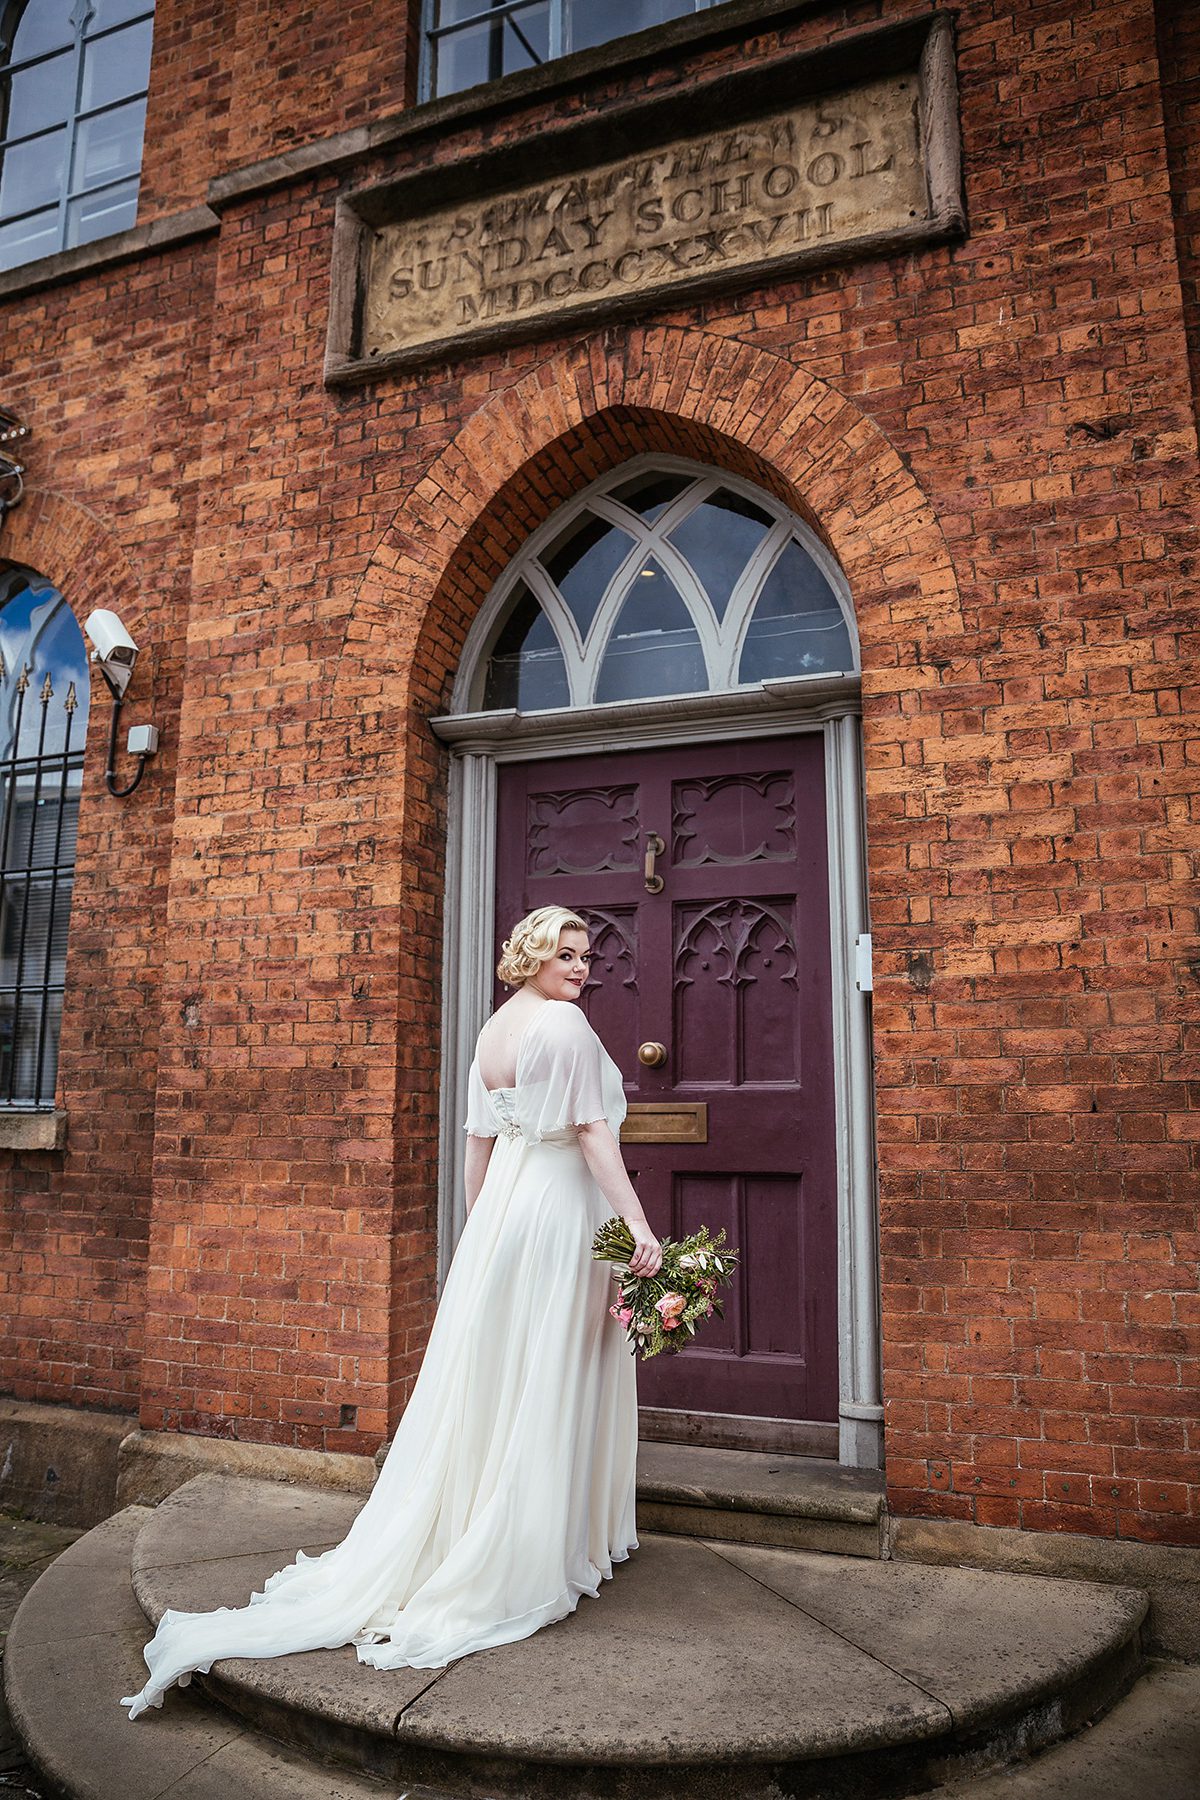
x=509, y=1489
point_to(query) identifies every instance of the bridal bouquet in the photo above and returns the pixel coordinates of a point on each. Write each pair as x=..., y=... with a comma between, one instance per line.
x=661, y=1312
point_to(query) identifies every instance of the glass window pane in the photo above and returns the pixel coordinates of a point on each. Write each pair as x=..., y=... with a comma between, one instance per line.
x=111, y=12
x=45, y=24
x=40, y=96
x=583, y=561
x=109, y=145
x=39, y=631
x=31, y=173
x=486, y=51
x=718, y=539
x=649, y=495
x=526, y=669
x=654, y=647
x=28, y=239
x=596, y=21
x=115, y=209
x=797, y=627
x=117, y=65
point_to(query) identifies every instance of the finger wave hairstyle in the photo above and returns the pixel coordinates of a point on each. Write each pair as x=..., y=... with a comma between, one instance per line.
x=533, y=942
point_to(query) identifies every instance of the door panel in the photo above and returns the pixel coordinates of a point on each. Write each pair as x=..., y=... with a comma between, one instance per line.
x=729, y=967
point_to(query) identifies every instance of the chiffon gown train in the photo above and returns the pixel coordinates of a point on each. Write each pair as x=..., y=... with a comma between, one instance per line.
x=509, y=1489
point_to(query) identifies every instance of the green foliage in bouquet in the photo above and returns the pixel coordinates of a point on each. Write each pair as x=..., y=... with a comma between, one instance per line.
x=661, y=1312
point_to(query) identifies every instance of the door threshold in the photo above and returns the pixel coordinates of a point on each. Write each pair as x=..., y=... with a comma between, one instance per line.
x=732, y=1431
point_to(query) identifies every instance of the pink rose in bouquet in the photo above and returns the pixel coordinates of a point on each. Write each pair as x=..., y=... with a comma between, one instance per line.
x=622, y=1314
x=670, y=1307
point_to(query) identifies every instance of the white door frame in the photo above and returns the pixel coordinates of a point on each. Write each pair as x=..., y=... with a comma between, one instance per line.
x=479, y=742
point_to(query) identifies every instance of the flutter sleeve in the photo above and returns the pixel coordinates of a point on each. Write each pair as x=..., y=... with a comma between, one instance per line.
x=481, y=1120
x=565, y=1077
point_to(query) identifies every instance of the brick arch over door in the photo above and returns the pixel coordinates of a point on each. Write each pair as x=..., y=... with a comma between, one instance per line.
x=685, y=393
x=533, y=446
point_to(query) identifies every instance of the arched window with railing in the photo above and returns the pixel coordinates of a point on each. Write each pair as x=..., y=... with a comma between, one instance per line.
x=73, y=81
x=44, y=693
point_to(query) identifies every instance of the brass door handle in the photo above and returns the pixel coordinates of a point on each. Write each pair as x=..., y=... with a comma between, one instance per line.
x=654, y=847
x=652, y=1056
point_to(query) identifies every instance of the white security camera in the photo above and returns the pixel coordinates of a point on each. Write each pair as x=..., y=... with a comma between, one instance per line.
x=112, y=648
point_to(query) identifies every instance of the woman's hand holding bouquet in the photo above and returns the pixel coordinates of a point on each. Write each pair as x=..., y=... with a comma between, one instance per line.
x=662, y=1311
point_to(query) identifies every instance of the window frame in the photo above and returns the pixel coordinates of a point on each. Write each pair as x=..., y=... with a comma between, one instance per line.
x=500, y=10
x=54, y=778
x=721, y=643
x=81, y=14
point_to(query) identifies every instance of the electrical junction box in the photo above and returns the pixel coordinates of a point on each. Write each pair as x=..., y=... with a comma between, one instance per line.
x=143, y=740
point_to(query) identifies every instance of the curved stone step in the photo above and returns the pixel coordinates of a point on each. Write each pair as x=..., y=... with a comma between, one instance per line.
x=75, y=1647
x=709, y=1668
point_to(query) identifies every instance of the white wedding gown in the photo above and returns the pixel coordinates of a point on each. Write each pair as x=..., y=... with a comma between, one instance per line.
x=509, y=1489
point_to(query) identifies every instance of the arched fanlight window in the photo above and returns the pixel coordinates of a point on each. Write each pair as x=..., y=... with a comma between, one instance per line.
x=44, y=692
x=73, y=79
x=661, y=579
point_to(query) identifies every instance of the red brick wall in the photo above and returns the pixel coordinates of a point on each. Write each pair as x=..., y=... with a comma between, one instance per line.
x=107, y=373
x=998, y=440
x=1179, y=64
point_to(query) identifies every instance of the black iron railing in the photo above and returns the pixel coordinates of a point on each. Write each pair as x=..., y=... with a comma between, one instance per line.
x=39, y=816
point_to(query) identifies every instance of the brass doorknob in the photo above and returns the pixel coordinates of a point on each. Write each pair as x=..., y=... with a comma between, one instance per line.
x=652, y=1056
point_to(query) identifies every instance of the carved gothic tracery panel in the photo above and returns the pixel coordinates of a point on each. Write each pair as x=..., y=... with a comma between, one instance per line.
x=734, y=819
x=582, y=831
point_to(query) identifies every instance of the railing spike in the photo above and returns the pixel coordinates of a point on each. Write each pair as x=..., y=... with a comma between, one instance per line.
x=47, y=693
x=70, y=703
x=23, y=679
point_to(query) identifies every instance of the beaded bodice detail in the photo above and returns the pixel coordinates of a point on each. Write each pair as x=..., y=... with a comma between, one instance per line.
x=504, y=1105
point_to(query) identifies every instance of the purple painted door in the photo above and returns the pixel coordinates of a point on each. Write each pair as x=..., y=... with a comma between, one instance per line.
x=728, y=967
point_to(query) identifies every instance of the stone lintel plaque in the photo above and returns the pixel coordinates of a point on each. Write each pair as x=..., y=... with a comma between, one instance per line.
x=813, y=160
x=666, y=1122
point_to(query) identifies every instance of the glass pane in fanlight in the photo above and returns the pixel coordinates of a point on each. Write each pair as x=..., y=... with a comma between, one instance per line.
x=596, y=21
x=797, y=627
x=654, y=647
x=116, y=66
x=40, y=96
x=583, y=561
x=26, y=239
x=718, y=538
x=45, y=24
x=494, y=47
x=31, y=173
x=649, y=495
x=38, y=630
x=526, y=668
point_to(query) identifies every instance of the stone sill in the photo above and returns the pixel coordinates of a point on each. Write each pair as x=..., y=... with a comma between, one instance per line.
x=122, y=246
x=33, y=1131
x=734, y=19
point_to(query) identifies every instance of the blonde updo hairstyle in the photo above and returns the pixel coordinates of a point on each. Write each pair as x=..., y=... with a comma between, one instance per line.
x=533, y=942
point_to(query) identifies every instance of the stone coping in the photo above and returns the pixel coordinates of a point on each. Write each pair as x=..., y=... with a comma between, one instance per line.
x=33, y=1130
x=702, y=1664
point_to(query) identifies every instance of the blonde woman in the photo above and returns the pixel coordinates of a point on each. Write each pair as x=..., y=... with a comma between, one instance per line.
x=509, y=1489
